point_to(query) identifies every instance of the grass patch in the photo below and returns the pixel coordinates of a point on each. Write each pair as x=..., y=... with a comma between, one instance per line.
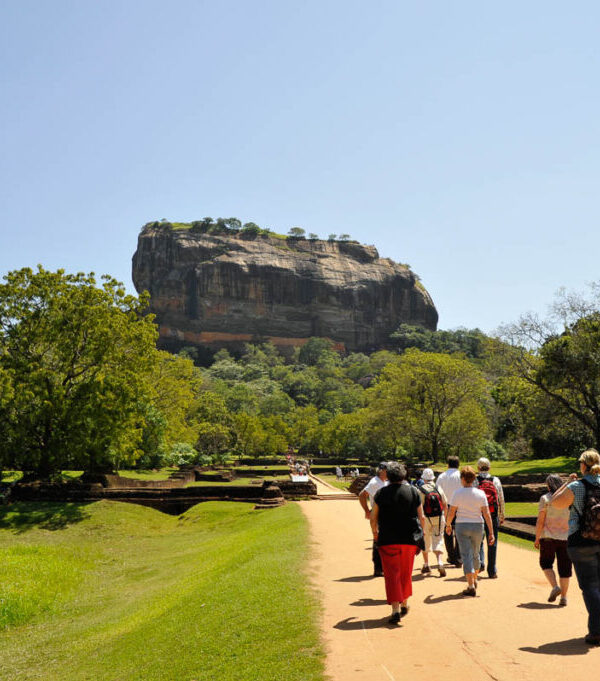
x=521, y=508
x=125, y=592
x=332, y=480
x=236, y=482
x=516, y=541
x=560, y=464
x=161, y=474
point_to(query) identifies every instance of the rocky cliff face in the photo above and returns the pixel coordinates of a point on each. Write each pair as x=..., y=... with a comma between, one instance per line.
x=222, y=290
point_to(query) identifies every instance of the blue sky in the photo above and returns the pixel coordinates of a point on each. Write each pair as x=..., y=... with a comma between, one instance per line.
x=462, y=138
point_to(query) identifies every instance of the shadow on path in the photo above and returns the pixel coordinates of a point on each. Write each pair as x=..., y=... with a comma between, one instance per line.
x=352, y=624
x=368, y=601
x=432, y=600
x=573, y=646
x=537, y=606
x=358, y=578
x=23, y=516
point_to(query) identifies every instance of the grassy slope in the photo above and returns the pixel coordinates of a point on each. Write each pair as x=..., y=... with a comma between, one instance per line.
x=124, y=592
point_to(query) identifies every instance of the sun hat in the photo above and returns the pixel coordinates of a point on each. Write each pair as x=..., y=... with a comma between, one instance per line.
x=428, y=475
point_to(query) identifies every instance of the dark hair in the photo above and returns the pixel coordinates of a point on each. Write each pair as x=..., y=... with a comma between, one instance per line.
x=453, y=462
x=382, y=466
x=553, y=482
x=396, y=472
x=467, y=474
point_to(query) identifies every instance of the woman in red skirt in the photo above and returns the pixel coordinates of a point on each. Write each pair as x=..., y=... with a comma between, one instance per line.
x=395, y=519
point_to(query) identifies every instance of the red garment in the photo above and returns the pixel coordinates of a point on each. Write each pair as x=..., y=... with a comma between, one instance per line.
x=397, y=560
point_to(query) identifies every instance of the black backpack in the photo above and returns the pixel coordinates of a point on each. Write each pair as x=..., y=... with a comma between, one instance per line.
x=590, y=518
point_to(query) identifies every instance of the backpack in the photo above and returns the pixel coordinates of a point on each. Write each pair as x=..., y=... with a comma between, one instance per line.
x=432, y=503
x=590, y=519
x=486, y=485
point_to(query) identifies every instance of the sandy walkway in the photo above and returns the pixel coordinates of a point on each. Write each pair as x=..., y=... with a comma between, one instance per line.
x=507, y=633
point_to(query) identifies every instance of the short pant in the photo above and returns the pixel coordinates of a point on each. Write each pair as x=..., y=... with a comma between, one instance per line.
x=555, y=547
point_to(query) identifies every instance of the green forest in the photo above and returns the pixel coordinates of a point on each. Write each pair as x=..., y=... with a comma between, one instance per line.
x=83, y=387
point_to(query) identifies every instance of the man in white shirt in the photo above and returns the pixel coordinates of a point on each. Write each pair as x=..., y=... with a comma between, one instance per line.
x=369, y=491
x=449, y=482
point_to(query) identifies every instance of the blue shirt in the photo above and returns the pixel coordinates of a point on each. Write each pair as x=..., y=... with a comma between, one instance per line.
x=578, y=489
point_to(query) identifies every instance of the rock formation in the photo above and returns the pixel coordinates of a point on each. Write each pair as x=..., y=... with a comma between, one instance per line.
x=222, y=290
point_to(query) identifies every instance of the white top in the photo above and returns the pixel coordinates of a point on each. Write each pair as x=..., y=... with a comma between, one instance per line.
x=449, y=482
x=556, y=525
x=373, y=486
x=469, y=501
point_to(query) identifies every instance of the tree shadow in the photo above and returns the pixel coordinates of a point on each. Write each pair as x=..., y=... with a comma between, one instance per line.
x=352, y=624
x=537, y=606
x=572, y=646
x=368, y=601
x=432, y=600
x=21, y=517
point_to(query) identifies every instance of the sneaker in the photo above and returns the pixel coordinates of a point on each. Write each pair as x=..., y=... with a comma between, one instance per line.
x=562, y=602
x=592, y=640
x=395, y=618
x=554, y=594
x=469, y=591
x=425, y=570
x=442, y=570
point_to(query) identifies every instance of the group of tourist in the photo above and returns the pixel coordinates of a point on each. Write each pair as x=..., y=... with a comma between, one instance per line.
x=463, y=509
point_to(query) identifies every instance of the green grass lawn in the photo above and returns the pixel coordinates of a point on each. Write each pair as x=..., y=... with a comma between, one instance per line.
x=560, y=464
x=118, y=592
x=332, y=480
x=520, y=508
x=516, y=541
x=162, y=474
x=234, y=483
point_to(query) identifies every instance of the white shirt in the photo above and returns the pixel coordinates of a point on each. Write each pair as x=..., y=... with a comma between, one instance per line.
x=469, y=501
x=449, y=482
x=373, y=486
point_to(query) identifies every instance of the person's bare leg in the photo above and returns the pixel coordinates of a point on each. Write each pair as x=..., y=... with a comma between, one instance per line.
x=564, y=586
x=551, y=577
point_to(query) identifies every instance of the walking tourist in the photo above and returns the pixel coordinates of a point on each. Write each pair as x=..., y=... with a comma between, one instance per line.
x=396, y=522
x=367, y=495
x=434, y=508
x=551, y=531
x=583, y=541
x=448, y=482
x=492, y=487
x=470, y=507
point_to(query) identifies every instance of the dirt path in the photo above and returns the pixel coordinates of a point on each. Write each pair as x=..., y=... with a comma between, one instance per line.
x=507, y=633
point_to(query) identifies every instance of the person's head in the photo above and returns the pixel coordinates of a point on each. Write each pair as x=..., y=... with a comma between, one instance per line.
x=428, y=475
x=382, y=470
x=483, y=464
x=453, y=462
x=467, y=476
x=553, y=482
x=418, y=473
x=590, y=462
x=396, y=472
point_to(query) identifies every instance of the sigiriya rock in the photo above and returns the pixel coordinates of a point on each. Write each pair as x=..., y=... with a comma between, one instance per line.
x=224, y=289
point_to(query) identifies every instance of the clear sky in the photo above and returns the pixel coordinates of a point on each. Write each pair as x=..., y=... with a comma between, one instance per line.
x=460, y=137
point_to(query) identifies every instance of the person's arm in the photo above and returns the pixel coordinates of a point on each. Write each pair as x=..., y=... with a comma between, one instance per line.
x=563, y=497
x=488, y=521
x=420, y=515
x=450, y=518
x=501, y=504
x=374, y=517
x=362, y=498
x=539, y=526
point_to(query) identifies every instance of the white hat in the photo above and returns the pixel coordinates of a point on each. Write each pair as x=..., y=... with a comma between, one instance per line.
x=428, y=475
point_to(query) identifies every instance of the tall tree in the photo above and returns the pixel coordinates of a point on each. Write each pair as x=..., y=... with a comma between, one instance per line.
x=425, y=395
x=78, y=356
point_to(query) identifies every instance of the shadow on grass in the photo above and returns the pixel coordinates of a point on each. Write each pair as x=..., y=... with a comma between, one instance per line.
x=352, y=624
x=572, y=646
x=24, y=516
